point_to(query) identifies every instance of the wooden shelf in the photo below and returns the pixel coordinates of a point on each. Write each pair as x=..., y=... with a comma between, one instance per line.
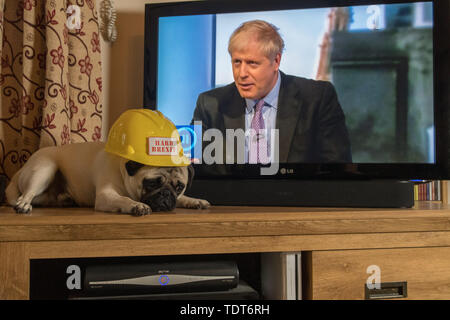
x=83, y=233
x=51, y=224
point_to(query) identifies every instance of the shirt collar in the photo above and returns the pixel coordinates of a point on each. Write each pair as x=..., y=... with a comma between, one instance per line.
x=270, y=99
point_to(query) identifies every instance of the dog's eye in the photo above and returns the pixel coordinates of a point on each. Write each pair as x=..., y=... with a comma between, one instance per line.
x=152, y=184
x=179, y=187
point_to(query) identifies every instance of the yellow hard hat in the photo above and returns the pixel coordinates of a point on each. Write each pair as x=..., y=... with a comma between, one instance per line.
x=147, y=137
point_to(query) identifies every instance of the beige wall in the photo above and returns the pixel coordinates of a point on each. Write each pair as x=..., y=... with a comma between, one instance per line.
x=123, y=62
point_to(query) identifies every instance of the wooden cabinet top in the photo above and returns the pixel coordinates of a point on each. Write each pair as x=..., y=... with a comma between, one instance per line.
x=54, y=224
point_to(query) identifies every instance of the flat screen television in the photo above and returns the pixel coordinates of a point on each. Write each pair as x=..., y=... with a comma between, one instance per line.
x=388, y=63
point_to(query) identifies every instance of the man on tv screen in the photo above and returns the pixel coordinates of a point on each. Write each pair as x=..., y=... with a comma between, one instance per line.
x=306, y=113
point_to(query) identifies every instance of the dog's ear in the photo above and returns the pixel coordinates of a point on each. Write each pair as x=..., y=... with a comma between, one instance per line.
x=191, y=172
x=133, y=167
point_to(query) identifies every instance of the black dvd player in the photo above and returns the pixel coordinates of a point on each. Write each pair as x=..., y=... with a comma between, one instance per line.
x=154, y=278
x=242, y=292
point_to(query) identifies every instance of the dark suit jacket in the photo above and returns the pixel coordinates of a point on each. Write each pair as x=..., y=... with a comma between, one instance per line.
x=309, y=118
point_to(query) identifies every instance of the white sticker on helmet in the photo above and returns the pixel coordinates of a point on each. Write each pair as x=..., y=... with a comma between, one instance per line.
x=159, y=146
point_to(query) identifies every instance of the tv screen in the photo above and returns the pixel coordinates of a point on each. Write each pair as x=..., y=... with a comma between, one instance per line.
x=359, y=88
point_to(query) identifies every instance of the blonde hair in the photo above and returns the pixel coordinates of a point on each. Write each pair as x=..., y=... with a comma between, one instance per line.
x=258, y=30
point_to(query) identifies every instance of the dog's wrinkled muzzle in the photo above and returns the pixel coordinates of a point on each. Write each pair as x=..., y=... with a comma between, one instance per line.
x=163, y=200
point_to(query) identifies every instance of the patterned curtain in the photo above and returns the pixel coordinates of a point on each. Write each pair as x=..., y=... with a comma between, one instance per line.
x=50, y=77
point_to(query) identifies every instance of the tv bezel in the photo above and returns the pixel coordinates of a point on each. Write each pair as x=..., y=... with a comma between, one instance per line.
x=440, y=170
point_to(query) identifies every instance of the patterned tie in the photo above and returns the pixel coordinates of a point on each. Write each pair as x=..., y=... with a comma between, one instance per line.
x=258, y=141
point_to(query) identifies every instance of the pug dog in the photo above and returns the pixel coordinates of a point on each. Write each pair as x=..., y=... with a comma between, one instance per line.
x=83, y=174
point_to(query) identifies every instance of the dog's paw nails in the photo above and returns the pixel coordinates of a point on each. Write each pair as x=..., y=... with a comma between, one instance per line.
x=199, y=204
x=204, y=204
x=141, y=210
x=23, y=207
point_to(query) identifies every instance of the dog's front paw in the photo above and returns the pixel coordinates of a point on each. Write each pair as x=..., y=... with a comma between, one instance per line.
x=22, y=206
x=141, y=209
x=201, y=204
x=192, y=203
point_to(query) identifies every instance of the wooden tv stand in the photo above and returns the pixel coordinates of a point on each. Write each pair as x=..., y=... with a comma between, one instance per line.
x=338, y=244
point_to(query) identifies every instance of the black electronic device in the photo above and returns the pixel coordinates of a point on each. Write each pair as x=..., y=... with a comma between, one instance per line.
x=388, y=61
x=162, y=278
x=308, y=193
x=241, y=292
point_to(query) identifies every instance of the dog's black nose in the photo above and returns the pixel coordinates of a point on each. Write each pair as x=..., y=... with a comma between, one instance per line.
x=163, y=200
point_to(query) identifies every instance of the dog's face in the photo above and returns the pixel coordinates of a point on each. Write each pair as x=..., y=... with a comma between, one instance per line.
x=158, y=187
